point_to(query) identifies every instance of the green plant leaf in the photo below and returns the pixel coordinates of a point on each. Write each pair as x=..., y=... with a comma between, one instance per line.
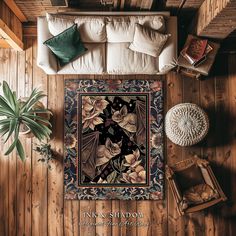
x=14, y=97
x=35, y=117
x=32, y=95
x=8, y=94
x=37, y=134
x=17, y=109
x=20, y=150
x=5, y=121
x=39, y=111
x=4, y=129
x=10, y=149
x=12, y=127
x=6, y=105
x=16, y=137
x=32, y=100
x=43, y=130
x=3, y=112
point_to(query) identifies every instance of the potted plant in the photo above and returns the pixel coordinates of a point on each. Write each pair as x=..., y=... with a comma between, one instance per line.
x=46, y=153
x=21, y=116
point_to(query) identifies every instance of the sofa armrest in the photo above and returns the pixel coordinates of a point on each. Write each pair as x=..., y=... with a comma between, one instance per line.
x=168, y=56
x=45, y=60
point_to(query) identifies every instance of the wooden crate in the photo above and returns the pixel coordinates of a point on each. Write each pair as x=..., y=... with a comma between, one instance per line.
x=202, y=168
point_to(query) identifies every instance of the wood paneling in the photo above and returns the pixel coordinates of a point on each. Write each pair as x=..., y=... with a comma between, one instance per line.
x=112, y=4
x=12, y=63
x=31, y=197
x=10, y=27
x=9, y=18
x=215, y=18
x=231, y=86
x=195, y=4
x=28, y=171
x=16, y=10
x=30, y=30
x=3, y=43
x=32, y=9
x=174, y=153
x=55, y=177
x=20, y=185
x=4, y=174
x=39, y=173
x=173, y=3
x=62, y=3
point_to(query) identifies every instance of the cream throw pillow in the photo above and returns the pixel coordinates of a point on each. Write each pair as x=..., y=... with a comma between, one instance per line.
x=148, y=41
x=121, y=28
x=57, y=24
x=91, y=28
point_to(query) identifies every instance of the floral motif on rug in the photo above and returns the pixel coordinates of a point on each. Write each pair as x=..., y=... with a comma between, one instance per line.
x=113, y=139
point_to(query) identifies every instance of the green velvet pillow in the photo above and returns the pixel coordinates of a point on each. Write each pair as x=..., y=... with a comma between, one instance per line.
x=67, y=45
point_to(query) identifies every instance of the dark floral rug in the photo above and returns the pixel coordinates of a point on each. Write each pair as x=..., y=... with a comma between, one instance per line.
x=113, y=139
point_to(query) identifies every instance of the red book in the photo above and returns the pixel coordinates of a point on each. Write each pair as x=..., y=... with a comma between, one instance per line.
x=196, y=48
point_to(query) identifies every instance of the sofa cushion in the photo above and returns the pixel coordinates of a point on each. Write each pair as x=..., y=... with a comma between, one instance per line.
x=121, y=28
x=67, y=45
x=92, y=62
x=58, y=23
x=122, y=60
x=148, y=41
x=92, y=28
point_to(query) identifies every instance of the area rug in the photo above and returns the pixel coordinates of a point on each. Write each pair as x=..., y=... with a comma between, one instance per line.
x=113, y=138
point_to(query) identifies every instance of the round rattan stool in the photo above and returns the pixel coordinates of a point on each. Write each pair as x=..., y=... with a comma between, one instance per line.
x=186, y=124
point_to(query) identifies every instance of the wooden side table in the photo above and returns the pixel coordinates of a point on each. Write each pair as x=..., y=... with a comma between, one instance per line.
x=185, y=68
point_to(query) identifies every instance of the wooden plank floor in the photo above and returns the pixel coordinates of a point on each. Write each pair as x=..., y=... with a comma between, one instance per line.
x=31, y=197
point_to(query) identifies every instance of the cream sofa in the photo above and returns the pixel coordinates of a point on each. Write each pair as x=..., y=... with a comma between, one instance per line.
x=107, y=37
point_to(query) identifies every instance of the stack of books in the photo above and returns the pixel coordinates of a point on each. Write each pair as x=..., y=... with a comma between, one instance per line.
x=196, y=51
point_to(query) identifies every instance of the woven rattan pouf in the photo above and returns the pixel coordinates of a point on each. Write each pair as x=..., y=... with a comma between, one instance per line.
x=186, y=124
